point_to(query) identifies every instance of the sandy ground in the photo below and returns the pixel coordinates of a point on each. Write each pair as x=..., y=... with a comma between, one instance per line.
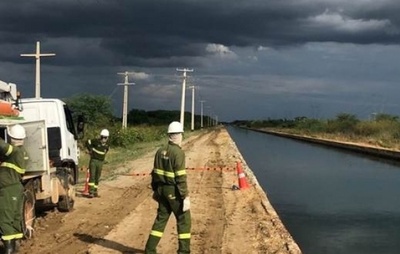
x=223, y=220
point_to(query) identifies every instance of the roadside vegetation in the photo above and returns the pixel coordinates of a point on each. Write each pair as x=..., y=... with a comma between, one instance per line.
x=382, y=131
x=145, y=131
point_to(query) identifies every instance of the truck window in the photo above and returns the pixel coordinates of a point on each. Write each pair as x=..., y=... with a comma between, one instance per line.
x=3, y=134
x=69, y=120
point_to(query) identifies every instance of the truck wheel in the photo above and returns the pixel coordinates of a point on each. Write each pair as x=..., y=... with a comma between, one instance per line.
x=29, y=214
x=66, y=202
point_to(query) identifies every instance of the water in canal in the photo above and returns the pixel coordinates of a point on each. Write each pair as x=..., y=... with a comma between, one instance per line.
x=331, y=201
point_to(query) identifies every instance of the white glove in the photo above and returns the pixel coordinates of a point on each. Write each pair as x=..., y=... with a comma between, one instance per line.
x=186, y=204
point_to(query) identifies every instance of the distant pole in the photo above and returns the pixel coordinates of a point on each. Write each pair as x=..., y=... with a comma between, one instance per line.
x=201, y=121
x=208, y=116
x=37, y=55
x=182, y=120
x=125, y=103
x=192, y=125
x=373, y=116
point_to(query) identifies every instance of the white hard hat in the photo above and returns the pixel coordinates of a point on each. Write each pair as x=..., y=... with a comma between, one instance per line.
x=17, y=132
x=175, y=127
x=104, y=133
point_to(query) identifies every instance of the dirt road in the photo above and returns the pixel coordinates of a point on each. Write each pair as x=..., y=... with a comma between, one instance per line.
x=223, y=220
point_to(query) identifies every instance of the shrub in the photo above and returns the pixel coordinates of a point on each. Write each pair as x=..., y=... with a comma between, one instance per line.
x=129, y=136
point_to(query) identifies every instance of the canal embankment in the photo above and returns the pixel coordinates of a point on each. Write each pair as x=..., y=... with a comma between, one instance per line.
x=277, y=230
x=380, y=152
x=330, y=200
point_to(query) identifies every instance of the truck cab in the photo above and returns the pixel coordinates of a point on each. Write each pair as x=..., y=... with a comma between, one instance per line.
x=52, y=144
x=62, y=135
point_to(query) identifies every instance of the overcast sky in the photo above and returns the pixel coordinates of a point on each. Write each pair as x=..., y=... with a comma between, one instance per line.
x=252, y=59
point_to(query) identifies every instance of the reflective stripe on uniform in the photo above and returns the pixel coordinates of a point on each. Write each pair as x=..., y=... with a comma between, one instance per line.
x=93, y=185
x=10, y=237
x=9, y=150
x=181, y=172
x=98, y=152
x=156, y=233
x=13, y=166
x=164, y=173
x=184, y=236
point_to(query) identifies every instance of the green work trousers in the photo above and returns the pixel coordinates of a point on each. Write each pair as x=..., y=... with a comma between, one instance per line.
x=169, y=201
x=95, y=167
x=11, y=201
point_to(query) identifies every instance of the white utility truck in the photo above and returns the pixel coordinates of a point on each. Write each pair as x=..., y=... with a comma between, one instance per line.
x=51, y=142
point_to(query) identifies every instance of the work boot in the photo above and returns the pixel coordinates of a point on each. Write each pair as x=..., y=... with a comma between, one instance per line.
x=90, y=195
x=8, y=247
x=96, y=195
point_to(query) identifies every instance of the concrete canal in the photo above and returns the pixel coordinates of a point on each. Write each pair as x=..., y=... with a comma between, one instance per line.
x=331, y=201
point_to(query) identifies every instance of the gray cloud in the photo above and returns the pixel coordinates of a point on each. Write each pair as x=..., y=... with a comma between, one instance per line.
x=297, y=49
x=136, y=31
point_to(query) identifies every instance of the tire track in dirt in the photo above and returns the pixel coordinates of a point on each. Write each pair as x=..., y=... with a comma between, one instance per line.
x=206, y=196
x=66, y=233
x=207, y=211
x=70, y=233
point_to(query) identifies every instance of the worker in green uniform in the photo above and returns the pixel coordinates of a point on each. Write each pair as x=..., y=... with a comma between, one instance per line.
x=169, y=183
x=13, y=159
x=98, y=149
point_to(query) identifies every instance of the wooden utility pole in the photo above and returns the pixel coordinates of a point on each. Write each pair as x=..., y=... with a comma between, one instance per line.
x=201, y=125
x=37, y=55
x=192, y=122
x=125, y=102
x=182, y=120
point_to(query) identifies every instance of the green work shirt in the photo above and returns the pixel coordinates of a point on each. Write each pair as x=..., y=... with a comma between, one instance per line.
x=13, y=163
x=169, y=168
x=97, y=149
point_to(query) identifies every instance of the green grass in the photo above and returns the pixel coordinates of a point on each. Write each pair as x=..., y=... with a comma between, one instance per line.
x=383, y=131
x=117, y=157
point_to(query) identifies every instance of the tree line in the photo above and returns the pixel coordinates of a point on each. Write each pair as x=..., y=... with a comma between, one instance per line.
x=143, y=126
x=382, y=130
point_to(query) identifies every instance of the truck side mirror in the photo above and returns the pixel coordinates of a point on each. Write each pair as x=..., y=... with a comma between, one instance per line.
x=80, y=127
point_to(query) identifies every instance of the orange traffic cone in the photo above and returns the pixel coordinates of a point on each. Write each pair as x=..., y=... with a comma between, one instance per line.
x=86, y=190
x=242, y=177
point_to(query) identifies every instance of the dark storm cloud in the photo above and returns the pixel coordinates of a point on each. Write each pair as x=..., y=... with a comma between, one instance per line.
x=147, y=32
x=273, y=54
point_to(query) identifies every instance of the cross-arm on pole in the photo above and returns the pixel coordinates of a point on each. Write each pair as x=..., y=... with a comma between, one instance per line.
x=37, y=55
